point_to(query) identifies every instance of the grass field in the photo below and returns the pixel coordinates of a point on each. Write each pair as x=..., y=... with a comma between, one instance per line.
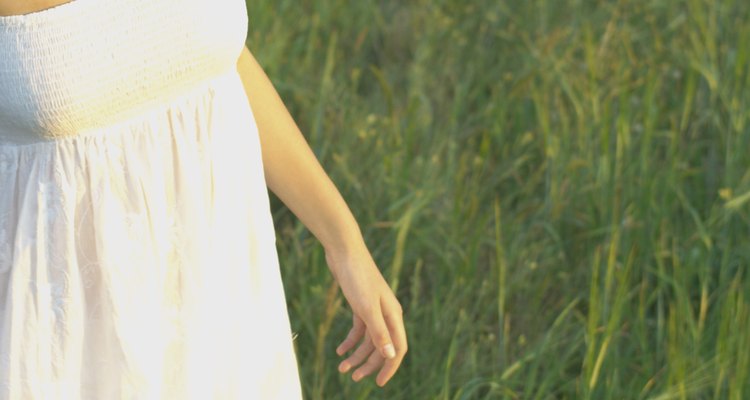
x=558, y=190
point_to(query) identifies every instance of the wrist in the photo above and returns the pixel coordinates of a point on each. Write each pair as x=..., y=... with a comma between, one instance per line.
x=340, y=235
x=345, y=253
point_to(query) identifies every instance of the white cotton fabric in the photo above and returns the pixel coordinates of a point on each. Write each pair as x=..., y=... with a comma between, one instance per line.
x=137, y=249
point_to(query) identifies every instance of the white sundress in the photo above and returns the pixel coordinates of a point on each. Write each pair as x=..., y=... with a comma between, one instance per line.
x=137, y=248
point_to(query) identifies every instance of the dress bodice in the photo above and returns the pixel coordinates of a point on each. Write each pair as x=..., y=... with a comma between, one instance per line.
x=86, y=63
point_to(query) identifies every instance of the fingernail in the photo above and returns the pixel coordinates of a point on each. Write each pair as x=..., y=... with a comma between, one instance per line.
x=356, y=376
x=389, y=351
x=344, y=366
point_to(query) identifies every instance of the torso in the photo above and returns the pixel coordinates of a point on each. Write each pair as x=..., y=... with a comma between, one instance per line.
x=85, y=65
x=19, y=7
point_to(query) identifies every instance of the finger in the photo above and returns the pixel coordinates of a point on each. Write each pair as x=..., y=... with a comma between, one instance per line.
x=378, y=331
x=373, y=363
x=396, y=325
x=359, y=355
x=354, y=336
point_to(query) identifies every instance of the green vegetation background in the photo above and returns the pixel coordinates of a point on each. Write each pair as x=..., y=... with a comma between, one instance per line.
x=558, y=190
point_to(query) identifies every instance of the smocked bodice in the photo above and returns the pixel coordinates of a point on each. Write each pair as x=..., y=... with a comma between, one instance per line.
x=84, y=64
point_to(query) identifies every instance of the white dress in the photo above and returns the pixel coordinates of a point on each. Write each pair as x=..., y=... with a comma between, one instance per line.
x=137, y=248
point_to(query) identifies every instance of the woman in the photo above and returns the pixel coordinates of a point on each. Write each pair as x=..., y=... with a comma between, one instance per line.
x=137, y=254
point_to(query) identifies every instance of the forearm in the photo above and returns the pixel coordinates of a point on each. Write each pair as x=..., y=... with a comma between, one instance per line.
x=292, y=171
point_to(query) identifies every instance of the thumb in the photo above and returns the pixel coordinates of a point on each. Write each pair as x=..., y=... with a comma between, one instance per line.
x=378, y=331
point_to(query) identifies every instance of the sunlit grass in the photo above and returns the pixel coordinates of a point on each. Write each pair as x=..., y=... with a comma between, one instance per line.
x=559, y=190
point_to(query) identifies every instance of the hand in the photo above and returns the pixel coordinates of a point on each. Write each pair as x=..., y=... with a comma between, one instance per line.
x=378, y=324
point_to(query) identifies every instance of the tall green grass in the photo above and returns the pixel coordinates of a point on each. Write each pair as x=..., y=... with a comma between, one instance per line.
x=558, y=190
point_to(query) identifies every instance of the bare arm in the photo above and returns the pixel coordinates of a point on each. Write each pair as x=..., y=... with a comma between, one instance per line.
x=294, y=174
x=292, y=171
